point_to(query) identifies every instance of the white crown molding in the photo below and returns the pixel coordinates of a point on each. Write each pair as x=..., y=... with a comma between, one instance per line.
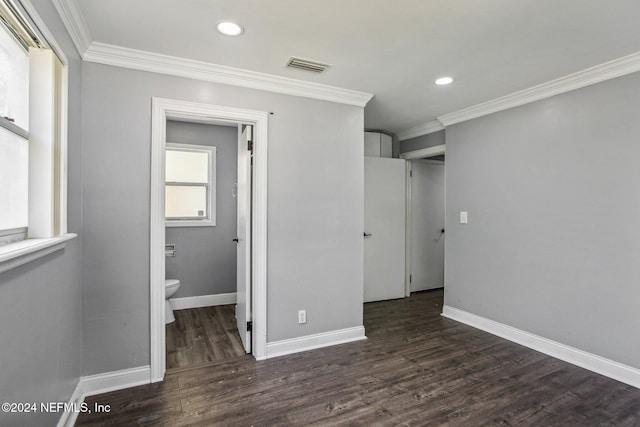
x=600, y=73
x=102, y=53
x=609, y=368
x=73, y=20
x=147, y=61
x=420, y=130
x=310, y=342
x=607, y=71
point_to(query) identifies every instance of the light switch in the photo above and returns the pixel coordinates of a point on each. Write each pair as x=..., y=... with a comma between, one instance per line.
x=464, y=217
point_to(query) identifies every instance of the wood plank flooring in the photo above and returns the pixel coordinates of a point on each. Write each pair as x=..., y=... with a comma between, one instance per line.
x=417, y=368
x=201, y=336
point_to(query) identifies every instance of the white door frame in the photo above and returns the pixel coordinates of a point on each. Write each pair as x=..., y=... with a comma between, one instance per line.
x=163, y=109
x=408, y=230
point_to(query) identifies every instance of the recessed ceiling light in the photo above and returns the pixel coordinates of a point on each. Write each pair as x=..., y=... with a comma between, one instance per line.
x=442, y=81
x=229, y=28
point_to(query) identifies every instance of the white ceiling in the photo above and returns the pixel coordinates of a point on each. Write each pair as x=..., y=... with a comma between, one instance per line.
x=393, y=50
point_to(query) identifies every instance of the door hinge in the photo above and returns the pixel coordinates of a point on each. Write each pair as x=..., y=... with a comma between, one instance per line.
x=250, y=145
x=410, y=174
x=410, y=278
x=249, y=326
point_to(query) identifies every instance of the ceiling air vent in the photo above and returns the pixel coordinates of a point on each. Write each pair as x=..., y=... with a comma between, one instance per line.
x=307, y=65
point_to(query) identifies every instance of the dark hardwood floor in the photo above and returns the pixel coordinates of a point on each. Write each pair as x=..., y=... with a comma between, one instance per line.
x=201, y=336
x=417, y=368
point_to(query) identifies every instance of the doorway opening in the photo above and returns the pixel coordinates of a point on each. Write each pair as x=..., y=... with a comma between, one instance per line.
x=425, y=219
x=404, y=218
x=250, y=238
x=205, y=261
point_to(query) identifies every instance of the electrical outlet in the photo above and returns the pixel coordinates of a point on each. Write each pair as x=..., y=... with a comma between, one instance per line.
x=302, y=316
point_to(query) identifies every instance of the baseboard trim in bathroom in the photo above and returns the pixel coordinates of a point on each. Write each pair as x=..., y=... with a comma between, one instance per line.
x=203, y=301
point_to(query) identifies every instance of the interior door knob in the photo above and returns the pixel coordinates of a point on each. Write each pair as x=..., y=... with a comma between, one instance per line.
x=367, y=235
x=236, y=240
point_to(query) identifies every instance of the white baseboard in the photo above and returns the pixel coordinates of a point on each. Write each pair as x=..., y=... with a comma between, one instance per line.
x=103, y=383
x=592, y=362
x=68, y=418
x=203, y=301
x=310, y=342
x=116, y=380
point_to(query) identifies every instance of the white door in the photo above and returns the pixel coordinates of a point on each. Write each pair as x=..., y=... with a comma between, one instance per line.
x=427, y=225
x=384, y=222
x=243, y=307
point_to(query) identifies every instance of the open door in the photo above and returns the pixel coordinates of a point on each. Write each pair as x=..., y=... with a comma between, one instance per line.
x=384, y=234
x=243, y=239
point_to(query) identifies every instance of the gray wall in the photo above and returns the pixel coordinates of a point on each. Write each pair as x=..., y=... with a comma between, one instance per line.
x=552, y=194
x=395, y=147
x=315, y=209
x=205, y=262
x=41, y=302
x=424, y=141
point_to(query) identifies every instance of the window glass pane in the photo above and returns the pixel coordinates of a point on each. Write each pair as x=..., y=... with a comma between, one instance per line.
x=14, y=80
x=14, y=180
x=187, y=166
x=185, y=201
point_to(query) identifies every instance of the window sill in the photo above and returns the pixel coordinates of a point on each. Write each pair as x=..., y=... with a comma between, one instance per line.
x=186, y=223
x=13, y=255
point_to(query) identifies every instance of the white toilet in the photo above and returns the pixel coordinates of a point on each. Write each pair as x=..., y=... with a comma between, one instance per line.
x=171, y=286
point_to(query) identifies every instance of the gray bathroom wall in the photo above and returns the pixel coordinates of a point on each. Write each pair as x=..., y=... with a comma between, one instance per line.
x=423, y=141
x=315, y=209
x=205, y=261
x=41, y=302
x=551, y=247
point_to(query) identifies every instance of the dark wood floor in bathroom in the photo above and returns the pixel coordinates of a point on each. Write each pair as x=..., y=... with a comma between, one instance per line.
x=416, y=369
x=201, y=336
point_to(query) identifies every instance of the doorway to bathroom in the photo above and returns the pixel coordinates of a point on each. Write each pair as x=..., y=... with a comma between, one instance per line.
x=220, y=304
x=207, y=169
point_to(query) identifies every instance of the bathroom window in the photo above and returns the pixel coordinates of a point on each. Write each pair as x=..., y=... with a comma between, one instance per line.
x=190, y=187
x=32, y=132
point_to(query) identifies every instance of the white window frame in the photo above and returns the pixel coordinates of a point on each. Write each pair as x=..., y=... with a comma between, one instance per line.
x=210, y=219
x=47, y=227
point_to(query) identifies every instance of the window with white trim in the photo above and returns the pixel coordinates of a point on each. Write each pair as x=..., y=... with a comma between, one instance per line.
x=32, y=131
x=190, y=185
